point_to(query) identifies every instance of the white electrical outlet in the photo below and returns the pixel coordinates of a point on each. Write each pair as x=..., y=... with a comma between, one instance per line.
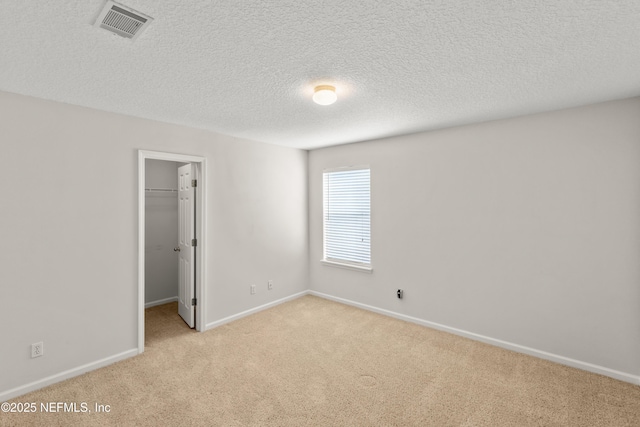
x=270, y=284
x=253, y=289
x=37, y=349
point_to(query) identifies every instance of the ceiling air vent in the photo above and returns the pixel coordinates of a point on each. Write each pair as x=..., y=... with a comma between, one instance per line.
x=122, y=20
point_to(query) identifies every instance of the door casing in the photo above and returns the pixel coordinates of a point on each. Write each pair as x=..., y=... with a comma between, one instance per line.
x=200, y=172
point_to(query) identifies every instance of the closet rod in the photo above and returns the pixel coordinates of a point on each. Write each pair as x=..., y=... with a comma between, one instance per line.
x=162, y=189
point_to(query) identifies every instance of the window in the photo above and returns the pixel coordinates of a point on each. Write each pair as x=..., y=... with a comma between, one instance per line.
x=347, y=218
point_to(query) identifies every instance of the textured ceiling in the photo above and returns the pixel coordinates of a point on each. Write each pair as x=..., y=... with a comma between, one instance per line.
x=248, y=68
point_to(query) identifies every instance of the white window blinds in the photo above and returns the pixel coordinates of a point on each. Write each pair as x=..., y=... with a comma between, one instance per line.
x=347, y=216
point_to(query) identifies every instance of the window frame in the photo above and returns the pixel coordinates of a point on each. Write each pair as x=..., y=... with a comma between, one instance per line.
x=334, y=262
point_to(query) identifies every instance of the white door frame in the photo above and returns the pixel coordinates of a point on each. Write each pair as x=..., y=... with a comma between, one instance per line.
x=200, y=164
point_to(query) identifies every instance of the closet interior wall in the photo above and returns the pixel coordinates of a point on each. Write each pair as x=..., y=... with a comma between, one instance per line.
x=161, y=231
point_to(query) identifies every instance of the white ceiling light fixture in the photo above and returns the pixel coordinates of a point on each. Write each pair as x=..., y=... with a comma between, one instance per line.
x=325, y=95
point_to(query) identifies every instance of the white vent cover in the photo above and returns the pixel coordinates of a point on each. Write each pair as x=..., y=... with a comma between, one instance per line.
x=122, y=20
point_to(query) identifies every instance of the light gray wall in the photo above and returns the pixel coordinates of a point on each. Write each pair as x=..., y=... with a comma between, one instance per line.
x=69, y=229
x=161, y=231
x=524, y=230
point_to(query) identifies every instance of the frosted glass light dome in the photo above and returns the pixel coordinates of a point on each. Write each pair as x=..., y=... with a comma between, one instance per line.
x=325, y=95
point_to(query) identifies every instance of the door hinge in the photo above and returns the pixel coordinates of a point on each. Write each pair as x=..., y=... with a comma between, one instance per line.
x=194, y=301
x=194, y=242
x=194, y=182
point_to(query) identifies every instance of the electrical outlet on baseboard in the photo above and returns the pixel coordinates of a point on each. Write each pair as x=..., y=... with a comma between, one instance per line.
x=252, y=289
x=270, y=284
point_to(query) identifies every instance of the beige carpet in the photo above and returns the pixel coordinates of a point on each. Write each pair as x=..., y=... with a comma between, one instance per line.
x=312, y=362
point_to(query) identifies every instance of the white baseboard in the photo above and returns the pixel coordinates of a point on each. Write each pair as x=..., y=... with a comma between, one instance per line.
x=253, y=310
x=622, y=376
x=19, y=391
x=160, y=302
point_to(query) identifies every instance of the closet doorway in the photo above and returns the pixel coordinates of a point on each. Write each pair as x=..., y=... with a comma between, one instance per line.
x=171, y=204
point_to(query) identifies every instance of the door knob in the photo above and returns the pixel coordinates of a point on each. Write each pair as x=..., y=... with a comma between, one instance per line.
x=176, y=249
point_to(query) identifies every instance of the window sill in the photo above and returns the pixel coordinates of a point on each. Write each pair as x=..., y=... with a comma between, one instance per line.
x=363, y=269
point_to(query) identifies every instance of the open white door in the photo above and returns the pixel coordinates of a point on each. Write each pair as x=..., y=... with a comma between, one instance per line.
x=186, y=245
